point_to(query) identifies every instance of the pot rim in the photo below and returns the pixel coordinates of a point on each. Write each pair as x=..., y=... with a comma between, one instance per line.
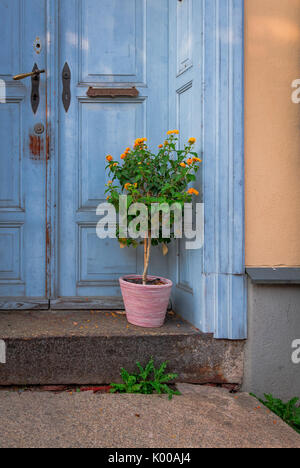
x=167, y=282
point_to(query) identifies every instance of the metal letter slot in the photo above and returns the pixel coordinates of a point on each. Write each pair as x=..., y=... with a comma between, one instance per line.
x=112, y=92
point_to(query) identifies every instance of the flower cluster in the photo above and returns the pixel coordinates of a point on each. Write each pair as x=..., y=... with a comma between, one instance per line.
x=148, y=178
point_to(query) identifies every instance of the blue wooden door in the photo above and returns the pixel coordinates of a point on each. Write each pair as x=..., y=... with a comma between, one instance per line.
x=185, y=57
x=107, y=43
x=23, y=161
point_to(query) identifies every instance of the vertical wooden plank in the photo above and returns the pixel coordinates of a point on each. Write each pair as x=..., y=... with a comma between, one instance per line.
x=224, y=167
x=218, y=304
x=23, y=156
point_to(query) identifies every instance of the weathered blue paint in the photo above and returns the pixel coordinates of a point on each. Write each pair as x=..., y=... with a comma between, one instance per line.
x=22, y=157
x=224, y=264
x=115, y=43
x=213, y=297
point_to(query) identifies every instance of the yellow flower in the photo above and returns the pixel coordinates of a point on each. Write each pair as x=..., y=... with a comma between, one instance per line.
x=190, y=162
x=192, y=141
x=173, y=132
x=192, y=191
x=197, y=160
x=166, y=143
x=135, y=185
x=139, y=142
x=183, y=164
x=127, y=186
x=109, y=158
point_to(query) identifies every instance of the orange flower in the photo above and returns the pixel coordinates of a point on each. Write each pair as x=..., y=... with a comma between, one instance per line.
x=173, y=132
x=197, y=160
x=183, y=164
x=123, y=156
x=127, y=186
x=139, y=142
x=166, y=143
x=192, y=191
x=192, y=141
x=127, y=150
x=161, y=146
x=115, y=164
x=110, y=182
x=109, y=158
x=190, y=162
x=123, y=243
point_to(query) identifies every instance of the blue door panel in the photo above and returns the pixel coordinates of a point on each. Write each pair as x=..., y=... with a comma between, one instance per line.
x=120, y=43
x=22, y=154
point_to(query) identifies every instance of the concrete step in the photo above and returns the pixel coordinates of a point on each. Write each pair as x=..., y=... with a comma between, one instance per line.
x=90, y=347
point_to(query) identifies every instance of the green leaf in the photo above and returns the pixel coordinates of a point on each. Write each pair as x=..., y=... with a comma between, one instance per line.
x=149, y=380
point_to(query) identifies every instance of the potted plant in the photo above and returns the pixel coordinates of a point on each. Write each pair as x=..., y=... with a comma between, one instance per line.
x=151, y=179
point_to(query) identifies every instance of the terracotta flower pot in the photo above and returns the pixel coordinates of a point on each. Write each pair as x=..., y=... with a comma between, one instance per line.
x=146, y=306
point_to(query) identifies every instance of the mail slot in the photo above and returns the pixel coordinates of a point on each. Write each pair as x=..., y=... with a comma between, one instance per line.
x=112, y=92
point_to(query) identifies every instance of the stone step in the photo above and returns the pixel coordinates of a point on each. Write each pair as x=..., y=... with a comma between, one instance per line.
x=90, y=347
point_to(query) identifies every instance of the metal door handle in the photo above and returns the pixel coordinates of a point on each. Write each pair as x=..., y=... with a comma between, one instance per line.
x=36, y=72
x=35, y=85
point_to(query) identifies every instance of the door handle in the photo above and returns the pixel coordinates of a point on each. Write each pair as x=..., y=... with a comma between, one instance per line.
x=35, y=85
x=36, y=72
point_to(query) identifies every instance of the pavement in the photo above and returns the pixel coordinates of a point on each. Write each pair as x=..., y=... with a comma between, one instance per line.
x=203, y=417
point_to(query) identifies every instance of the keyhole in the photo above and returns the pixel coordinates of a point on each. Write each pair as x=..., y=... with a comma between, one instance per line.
x=37, y=45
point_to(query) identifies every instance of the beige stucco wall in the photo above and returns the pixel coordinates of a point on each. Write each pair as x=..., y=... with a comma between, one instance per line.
x=272, y=132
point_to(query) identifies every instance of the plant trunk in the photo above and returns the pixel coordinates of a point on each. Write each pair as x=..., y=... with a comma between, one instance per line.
x=147, y=249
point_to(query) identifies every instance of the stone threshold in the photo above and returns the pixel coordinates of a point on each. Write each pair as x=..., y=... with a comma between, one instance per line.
x=81, y=347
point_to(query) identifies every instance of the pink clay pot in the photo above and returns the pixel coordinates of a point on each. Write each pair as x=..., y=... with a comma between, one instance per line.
x=146, y=306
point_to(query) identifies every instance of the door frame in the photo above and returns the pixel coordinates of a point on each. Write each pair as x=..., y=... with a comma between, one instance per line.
x=224, y=279
x=52, y=135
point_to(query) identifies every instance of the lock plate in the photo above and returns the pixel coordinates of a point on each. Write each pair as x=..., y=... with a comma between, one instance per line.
x=66, y=78
x=35, y=90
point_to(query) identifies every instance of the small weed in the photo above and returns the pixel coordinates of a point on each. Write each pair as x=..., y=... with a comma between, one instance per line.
x=149, y=380
x=289, y=412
